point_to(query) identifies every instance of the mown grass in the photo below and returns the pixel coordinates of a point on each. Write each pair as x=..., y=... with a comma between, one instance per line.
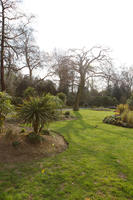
x=98, y=165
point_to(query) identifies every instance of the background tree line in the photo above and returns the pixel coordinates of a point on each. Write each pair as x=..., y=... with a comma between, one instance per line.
x=87, y=77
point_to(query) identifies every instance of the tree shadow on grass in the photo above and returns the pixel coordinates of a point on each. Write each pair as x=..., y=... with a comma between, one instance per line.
x=120, y=133
x=82, y=121
x=77, y=126
x=78, y=142
x=87, y=125
x=80, y=146
x=76, y=133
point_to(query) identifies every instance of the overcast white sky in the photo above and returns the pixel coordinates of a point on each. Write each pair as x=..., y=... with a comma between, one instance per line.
x=84, y=23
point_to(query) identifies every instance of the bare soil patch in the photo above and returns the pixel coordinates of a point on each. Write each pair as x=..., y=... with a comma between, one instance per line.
x=25, y=151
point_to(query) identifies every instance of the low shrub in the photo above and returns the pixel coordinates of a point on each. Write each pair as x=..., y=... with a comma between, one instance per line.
x=67, y=113
x=22, y=130
x=130, y=118
x=115, y=120
x=17, y=101
x=62, y=96
x=130, y=102
x=5, y=108
x=33, y=138
x=120, y=108
x=15, y=143
x=45, y=132
x=29, y=92
x=124, y=115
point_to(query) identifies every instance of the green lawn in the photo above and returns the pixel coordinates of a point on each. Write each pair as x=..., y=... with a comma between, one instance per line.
x=98, y=165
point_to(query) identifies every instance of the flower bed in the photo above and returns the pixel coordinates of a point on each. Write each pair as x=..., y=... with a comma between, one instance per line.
x=116, y=120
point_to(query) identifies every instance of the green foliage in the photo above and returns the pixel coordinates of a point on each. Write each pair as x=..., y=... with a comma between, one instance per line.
x=130, y=102
x=29, y=92
x=16, y=101
x=5, y=103
x=114, y=101
x=15, y=144
x=21, y=84
x=127, y=116
x=104, y=101
x=62, y=96
x=6, y=196
x=22, y=130
x=39, y=111
x=115, y=120
x=46, y=86
x=70, y=99
x=45, y=132
x=54, y=101
x=130, y=118
x=112, y=119
x=33, y=138
x=124, y=115
x=67, y=113
x=124, y=119
x=5, y=107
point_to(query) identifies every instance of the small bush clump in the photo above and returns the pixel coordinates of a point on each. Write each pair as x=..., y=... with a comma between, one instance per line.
x=115, y=120
x=16, y=101
x=33, y=138
x=121, y=108
x=123, y=117
x=130, y=102
x=45, y=132
x=5, y=108
x=67, y=113
x=130, y=118
x=15, y=143
x=22, y=130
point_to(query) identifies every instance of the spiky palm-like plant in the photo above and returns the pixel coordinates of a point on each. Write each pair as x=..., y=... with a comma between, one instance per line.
x=37, y=111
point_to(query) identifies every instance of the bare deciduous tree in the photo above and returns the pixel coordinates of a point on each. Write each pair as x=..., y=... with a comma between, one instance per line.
x=33, y=57
x=63, y=70
x=86, y=63
x=10, y=18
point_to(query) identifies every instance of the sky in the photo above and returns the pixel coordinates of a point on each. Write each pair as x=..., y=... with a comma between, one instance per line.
x=67, y=24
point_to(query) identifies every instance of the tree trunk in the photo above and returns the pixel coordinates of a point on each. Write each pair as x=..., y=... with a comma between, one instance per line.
x=76, y=103
x=2, y=52
x=35, y=126
x=79, y=93
x=30, y=73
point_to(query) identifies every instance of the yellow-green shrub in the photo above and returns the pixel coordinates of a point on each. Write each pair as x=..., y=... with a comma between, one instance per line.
x=122, y=107
x=130, y=118
x=124, y=115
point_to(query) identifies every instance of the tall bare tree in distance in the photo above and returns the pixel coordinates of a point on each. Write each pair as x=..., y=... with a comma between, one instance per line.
x=86, y=63
x=33, y=58
x=63, y=70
